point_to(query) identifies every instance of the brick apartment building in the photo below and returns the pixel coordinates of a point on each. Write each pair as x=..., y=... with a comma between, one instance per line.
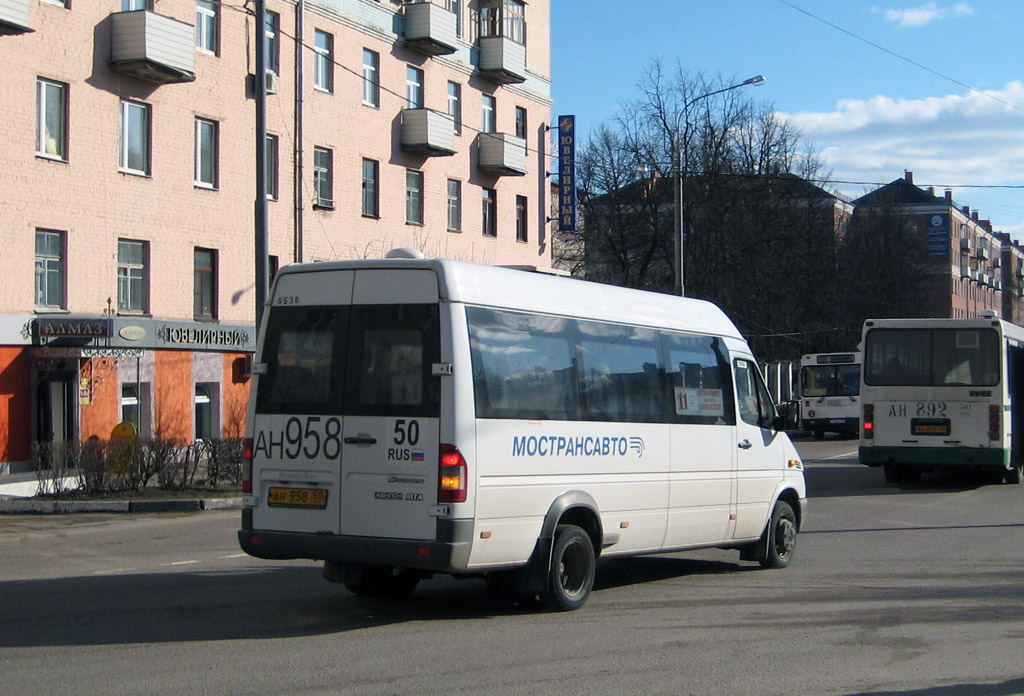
x=127, y=158
x=973, y=267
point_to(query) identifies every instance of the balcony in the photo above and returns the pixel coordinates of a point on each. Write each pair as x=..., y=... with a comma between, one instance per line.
x=502, y=60
x=152, y=47
x=430, y=28
x=14, y=17
x=502, y=154
x=428, y=132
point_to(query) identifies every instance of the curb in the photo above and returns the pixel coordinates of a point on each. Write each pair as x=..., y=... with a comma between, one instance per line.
x=22, y=507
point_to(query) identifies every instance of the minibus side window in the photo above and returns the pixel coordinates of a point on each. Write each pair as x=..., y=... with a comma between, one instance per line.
x=523, y=365
x=700, y=385
x=621, y=376
x=755, y=404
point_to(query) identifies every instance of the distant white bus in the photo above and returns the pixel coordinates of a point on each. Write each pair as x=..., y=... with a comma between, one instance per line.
x=830, y=393
x=943, y=394
x=418, y=416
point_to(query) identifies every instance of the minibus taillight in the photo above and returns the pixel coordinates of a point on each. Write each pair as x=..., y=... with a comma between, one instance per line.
x=247, y=465
x=452, y=476
x=994, y=418
x=869, y=421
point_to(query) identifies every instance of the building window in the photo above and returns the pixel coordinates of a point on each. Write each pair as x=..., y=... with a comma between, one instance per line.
x=414, y=196
x=51, y=119
x=323, y=68
x=489, y=121
x=371, y=78
x=131, y=276
x=455, y=105
x=130, y=405
x=323, y=181
x=205, y=283
x=455, y=7
x=134, y=156
x=206, y=26
x=132, y=5
x=490, y=213
x=413, y=88
x=521, y=219
x=206, y=153
x=271, y=167
x=49, y=269
x=520, y=122
x=454, y=205
x=271, y=44
x=204, y=411
x=371, y=200
x=505, y=18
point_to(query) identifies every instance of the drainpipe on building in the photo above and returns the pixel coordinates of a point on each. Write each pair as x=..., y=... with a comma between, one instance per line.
x=260, y=216
x=300, y=11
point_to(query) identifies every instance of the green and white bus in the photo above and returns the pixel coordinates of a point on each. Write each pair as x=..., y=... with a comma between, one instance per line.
x=941, y=394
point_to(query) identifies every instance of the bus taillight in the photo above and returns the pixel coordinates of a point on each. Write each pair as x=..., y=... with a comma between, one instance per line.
x=994, y=418
x=247, y=465
x=869, y=421
x=452, y=478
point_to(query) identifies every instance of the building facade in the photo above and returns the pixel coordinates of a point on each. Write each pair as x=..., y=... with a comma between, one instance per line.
x=128, y=158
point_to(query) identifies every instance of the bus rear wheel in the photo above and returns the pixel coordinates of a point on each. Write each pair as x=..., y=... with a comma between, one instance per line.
x=571, y=575
x=1014, y=475
x=893, y=474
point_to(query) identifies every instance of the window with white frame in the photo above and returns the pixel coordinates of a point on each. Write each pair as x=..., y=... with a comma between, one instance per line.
x=323, y=180
x=130, y=405
x=371, y=78
x=206, y=397
x=206, y=26
x=204, y=283
x=488, y=116
x=454, y=205
x=413, y=196
x=371, y=179
x=51, y=119
x=505, y=18
x=413, y=87
x=521, y=219
x=490, y=212
x=134, y=150
x=206, y=153
x=455, y=105
x=271, y=41
x=132, y=5
x=323, y=68
x=49, y=269
x=271, y=167
x=131, y=275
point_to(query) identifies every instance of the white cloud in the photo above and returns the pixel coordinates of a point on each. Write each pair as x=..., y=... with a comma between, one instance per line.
x=925, y=14
x=954, y=140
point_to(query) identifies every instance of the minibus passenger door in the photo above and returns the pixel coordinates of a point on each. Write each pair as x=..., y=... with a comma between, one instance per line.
x=760, y=451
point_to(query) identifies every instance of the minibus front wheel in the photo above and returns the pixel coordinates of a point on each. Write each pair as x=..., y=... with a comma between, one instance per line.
x=781, y=537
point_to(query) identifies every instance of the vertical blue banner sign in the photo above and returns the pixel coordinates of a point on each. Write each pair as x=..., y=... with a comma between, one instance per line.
x=938, y=235
x=566, y=173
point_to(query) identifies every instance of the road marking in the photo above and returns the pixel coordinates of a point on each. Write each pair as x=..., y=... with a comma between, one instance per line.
x=112, y=571
x=178, y=563
x=235, y=555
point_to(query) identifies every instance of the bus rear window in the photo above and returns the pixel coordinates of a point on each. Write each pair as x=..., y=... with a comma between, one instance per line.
x=351, y=360
x=932, y=357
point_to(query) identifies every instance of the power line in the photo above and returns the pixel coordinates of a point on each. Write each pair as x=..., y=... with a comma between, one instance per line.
x=900, y=57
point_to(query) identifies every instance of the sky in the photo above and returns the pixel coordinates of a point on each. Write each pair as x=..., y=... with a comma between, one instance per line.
x=875, y=88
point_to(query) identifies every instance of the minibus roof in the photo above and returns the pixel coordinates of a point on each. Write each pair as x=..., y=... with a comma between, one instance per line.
x=507, y=288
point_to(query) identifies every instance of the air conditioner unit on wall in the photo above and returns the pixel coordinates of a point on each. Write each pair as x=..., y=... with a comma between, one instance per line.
x=270, y=81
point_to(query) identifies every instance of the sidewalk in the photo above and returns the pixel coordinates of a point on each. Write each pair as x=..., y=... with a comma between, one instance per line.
x=17, y=489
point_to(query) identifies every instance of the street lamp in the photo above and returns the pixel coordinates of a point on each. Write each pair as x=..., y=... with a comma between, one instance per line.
x=678, y=172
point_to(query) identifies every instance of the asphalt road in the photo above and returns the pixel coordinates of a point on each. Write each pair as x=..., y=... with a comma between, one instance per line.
x=914, y=589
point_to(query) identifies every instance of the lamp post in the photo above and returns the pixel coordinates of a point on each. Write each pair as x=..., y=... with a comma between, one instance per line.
x=677, y=170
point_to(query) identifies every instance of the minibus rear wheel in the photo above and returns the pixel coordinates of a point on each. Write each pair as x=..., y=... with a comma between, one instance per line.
x=571, y=575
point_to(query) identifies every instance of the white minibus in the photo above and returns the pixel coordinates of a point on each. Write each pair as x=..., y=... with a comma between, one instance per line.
x=941, y=394
x=414, y=416
x=830, y=393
